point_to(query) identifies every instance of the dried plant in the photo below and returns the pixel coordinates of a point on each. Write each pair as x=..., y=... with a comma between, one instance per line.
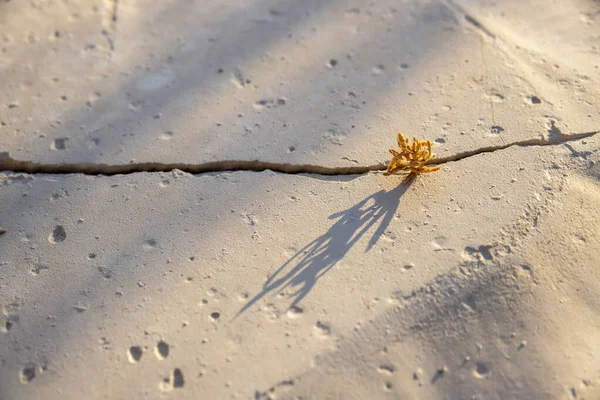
x=411, y=157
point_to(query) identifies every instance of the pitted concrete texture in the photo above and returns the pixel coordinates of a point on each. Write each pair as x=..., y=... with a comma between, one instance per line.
x=258, y=279
x=320, y=82
x=276, y=286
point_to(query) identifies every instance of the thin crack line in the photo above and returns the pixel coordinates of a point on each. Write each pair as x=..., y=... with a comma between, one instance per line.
x=561, y=139
x=11, y=165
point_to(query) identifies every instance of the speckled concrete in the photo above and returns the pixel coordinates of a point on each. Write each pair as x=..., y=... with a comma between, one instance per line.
x=477, y=281
x=321, y=82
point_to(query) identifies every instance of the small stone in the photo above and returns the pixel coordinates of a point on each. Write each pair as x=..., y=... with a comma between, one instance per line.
x=2, y=231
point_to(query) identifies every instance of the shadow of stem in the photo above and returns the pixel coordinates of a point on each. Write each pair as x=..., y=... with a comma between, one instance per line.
x=314, y=260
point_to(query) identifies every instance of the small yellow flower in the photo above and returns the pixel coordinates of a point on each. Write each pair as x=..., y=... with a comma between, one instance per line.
x=411, y=157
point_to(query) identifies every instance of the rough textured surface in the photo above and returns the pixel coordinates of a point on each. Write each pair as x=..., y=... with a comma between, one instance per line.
x=322, y=82
x=477, y=281
x=247, y=281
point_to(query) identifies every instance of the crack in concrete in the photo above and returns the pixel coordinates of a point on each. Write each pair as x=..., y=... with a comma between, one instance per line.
x=9, y=164
x=560, y=139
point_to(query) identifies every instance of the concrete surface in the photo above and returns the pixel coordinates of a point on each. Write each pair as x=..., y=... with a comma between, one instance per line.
x=477, y=281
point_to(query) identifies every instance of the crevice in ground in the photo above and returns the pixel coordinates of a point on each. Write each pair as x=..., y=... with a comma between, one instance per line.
x=9, y=164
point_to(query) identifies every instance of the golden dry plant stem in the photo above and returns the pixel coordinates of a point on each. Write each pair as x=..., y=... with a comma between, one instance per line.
x=412, y=157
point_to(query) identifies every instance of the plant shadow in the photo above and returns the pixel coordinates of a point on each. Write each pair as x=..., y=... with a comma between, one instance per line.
x=314, y=260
